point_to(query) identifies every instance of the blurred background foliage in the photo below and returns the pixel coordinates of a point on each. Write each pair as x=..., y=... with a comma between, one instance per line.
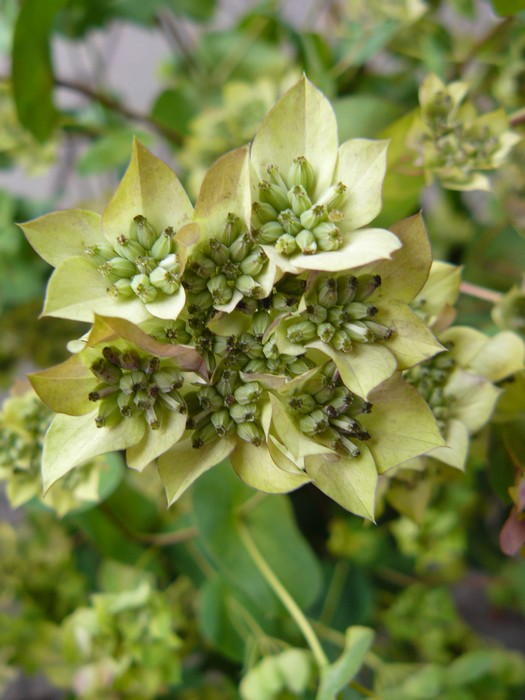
x=120, y=598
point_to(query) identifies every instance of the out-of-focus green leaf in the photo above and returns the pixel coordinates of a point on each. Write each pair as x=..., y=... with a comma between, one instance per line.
x=32, y=70
x=174, y=108
x=507, y=8
x=364, y=116
x=111, y=151
x=144, y=12
x=217, y=497
x=338, y=674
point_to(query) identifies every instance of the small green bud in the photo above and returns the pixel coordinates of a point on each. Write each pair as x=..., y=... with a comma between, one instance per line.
x=145, y=264
x=112, y=354
x=130, y=359
x=254, y=263
x=173, y=402
x=150, y=364
x=314, y=216
x=102, y=391
x=218, y=251
x=222, y=422
x=316, y=313
x=164, y=281
x=273, y=194
x=251, y=432
x=126, y=248
x=106, y=371
x=299, y=200
x=358, y=331
x=341, y=341
x=126, y=405
x=275, y=177
x=203, y=266
x=142, y=231
x=209, y=398
x=167, y=379
x=328, y=236
x=171, y=263
x=145, y=291
x=301, y=173
x=245, y=413
x=300, y=366
x=248, y=287
x=270, y=349
x=193, y=283
x=262, y=213
x=100, y=253
x=248, y=393
x=134, y=381
x=341, y=400
x=305, y=240
x=379, y=331
x=117, y=268
x=290, y=222
x=268, y=233
x=232, y=229
x=325, y=394
x=358, y=311
x=255, y=366
x=367, y=285
x=327, y=292
x=313, y=423
x=162, y=246
x=302, y=332
x=346, y=289
x=302, y=403
x=240, y=247
x=336, y=315
x=227, y=382
x=122, y=289
x=108, y=412
x=347, y=446
x=286, y=245
x=204, y=435
x=334, y=196
x=326, y=332
x=260, y=322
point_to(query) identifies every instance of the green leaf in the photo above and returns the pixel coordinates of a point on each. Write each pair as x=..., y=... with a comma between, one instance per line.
x=175, y=109
x=217, y=496
x=111, y=151
x=507, y=8
x=256, y=468
x=32, y=70
x=338, y=674
x=65, y=387
x=364, y=116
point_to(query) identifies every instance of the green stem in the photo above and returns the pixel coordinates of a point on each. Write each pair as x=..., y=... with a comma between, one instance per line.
x=283, y=595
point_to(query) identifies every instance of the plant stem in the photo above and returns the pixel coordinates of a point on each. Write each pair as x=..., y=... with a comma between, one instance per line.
x=517, y=118
x=283, y=595
x=473, y=290
x=165, y=539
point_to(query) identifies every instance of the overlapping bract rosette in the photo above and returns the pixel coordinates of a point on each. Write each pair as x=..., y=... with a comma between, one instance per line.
x=271, y=325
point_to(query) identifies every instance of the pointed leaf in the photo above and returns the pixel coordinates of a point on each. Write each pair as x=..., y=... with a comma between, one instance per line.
x=180, y=466
x=149, y=188
x=73, y=440
x=289, y=434
x=65, y=387
x=63, y=234
x=455, y=452
x=361, y=166
x=351, y=482
x=401, y=424
x=156, y=442
x=256, y=468
x=302, y=123
x=473, y=399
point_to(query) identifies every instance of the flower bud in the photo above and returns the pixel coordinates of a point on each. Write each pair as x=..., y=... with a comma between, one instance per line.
x=325, y=332
x=357, y=310
x=106, y=371
x=251, y=432
x=162, y=246
x=262, y=213
x=341, y=341
x=300, y=366
x=145, y=264
x=290, y=222
x=275, y=177
x=255, y=366
x=218, y=251
x=130, y=359
x=122, y=289
x=270, y=349
x=193, y=283
x=126, y=248
x=301, y=173
x=240, y=247
x=286, y=245
x=302, y=403
x=108, y=413
x=367, y=285
x=173, y=402
x=313, y=423
x=335, y=215
x=253, y=264
x=268, y=233
x=302, y=332
x=327, y=292
x=167, y=379
x=325, y=394
x=100, y=253
x=273, y=194
x=247, y=306
x=117, y=268
x=245, y=413
x=248, y=287
x=203, y=266
x=316, y=313
x=126, y=405
x=204, y=435
x=145, y=291
x=313, y=217
x=142, y=231
x=349, y=447
x=379, y=332
x=171, y=263
x=222, y=422
x=164, y=281
x=232, y=229
x=112, y=354
x=250, y=392
x=328, y=236
x=305, y=240
x=334, y=196
x=358, y=331
x=346, y=289
x=299, y=200
x=209, y=398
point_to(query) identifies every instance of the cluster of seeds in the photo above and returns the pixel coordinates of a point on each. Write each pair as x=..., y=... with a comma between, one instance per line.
x=430, y=379
x=228, y=262
x=133, y=384
x=324, y=409
x=144, y=263
x=229, y=406
x=286, y=215
x=21, y=452
x=469, y=147
x=338, y=313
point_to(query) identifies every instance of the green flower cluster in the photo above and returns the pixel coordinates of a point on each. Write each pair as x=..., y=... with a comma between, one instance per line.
x=279, y=337
x=455, y=142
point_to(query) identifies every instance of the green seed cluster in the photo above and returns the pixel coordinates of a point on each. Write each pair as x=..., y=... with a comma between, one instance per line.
x=22, y=452
x=143, y=264
x=228, y=262
x=287, y=216
x=338, y=313
x=324, y=409
x=457, y=145
x=229, y=406
x=133, y=384
x=430, y=379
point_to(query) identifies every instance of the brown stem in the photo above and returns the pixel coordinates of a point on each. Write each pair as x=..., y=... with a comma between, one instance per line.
x=117, y=106
x=473, y=290
x=517, y=118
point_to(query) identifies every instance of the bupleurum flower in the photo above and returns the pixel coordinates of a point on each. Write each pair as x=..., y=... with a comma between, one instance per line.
x=126, y=263
x=311, y=198
x=121, y=392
